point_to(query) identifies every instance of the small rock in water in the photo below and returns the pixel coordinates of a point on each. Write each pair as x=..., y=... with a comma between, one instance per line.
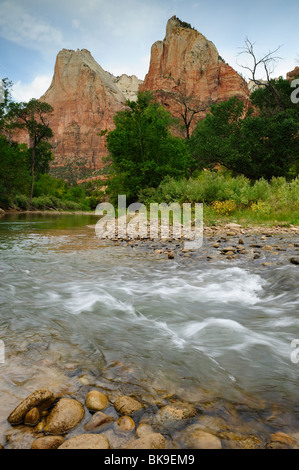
x=65, y=415
x=294, y=260
x=127, y=405
x=99, y=422
x=144, y=429
x=171, y=255
x=86, y=441
x=170, y=416
x=33, y=400
x=149, y=441
x=32, y=417
x=194, y=437
x=124, y=424
x=96, y=401
x=47, y=442
x=268, y=248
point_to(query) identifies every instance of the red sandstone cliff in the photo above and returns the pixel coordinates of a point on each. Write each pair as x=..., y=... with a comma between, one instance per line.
x=185, y=66
x=85, y=100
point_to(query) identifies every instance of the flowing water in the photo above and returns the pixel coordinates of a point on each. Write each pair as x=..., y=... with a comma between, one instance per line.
x=69, y=301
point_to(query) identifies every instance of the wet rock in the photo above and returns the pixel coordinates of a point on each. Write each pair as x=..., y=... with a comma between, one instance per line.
x=228, y=249
x=32, y=417
x=41, y=425
x=158, y=252
x=171, y=416
x=149, y=441
x=47, y=442
x=233, y=226
x=86, y=441
x=241, y=241
x=33, y=400
x=1, y=446
x=127, y=405
x=143, y=429
x=171, y=255
x=280, y=440
x=65, y=415
x=193, y=437
x=294, y=260
x=99, y=422
x=124, y=424
x=96, y=401
x=268, y=248
x=216, y=245
x=236, y=440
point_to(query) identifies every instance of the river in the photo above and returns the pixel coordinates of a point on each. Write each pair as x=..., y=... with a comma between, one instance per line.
x=73, y=306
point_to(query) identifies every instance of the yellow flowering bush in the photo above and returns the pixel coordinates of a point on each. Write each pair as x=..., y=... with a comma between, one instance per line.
x=224, y=207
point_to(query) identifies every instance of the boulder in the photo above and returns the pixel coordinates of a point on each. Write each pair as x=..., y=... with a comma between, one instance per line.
x=66, y=414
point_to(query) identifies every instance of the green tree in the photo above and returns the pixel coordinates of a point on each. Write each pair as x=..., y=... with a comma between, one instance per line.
x=14, y=171
x=33, y=118
x=142, y=149
x=256, y=146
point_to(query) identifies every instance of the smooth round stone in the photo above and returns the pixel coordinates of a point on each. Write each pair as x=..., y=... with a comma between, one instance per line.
x=171, y=416
x=86, y=441
x=196, y=438
x=47, y=442
x=149, y=441
x=124, y=424
x=96, y=401
x=127, y=405
x=32, y=417
x=65, y=415
x=143, y=429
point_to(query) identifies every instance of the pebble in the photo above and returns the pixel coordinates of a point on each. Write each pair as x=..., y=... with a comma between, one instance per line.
x=86, y=441
x=47, y=442
x=96, y=401
x=294, y=260
x=149, y=441
x=99, y=422
x=32, y=417
x=124, y=424
x=127, y=405
x=143, y=429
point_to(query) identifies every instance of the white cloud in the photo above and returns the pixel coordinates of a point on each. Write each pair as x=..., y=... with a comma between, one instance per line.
x=35, y=89
x=27, y=30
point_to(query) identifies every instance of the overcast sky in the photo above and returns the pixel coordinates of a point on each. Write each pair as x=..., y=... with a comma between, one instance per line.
x=119, y=34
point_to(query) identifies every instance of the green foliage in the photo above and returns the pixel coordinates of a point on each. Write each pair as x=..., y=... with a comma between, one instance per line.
x=256, y=146
x=14, y=170
x=142, y=150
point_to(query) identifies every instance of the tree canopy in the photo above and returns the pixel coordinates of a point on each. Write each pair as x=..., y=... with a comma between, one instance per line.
x=142, y=149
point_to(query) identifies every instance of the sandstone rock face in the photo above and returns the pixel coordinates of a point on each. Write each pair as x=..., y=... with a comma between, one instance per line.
x=186, y=63
x=85, y=100
x=128, y=85
x=293, y=74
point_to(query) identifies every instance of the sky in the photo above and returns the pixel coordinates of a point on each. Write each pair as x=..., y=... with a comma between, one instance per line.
x=119, y=34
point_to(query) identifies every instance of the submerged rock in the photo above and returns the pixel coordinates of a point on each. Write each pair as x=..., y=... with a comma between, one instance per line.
x=127, y=405
x=86, y=441
x=47, y=442
x=99, y=422
x=193, y=437
x=143, y=429
x=149, y=441
x=65, y=415
x=33, y=400
x=124, y=424
x=171, y=416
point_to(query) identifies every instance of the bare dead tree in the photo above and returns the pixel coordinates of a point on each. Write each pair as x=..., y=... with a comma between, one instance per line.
x=267, y=64
x=189, y=105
